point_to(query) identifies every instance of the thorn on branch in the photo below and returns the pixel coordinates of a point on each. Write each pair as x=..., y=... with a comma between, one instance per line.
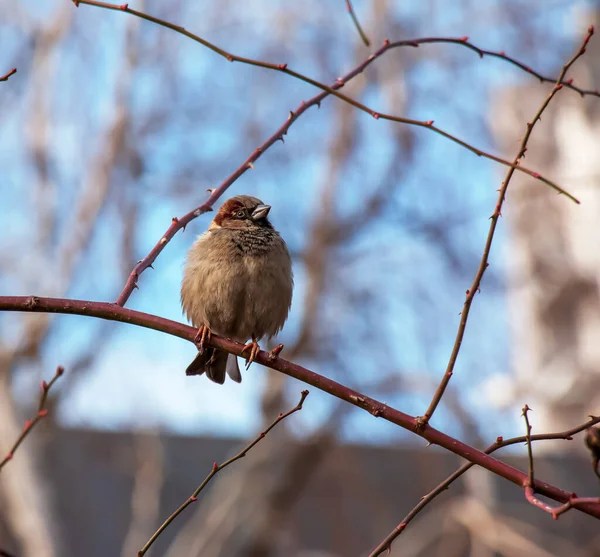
x=464, y=39
x=274, y=354
x=282, y=67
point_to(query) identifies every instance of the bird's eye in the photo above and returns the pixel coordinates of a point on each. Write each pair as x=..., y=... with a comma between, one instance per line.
x=240, y=214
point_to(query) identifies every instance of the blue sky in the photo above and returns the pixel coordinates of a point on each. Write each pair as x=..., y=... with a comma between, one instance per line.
x=138, y=379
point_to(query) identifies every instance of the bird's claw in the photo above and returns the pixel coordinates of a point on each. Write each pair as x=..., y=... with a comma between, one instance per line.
x=254, y=350
x=202, y=338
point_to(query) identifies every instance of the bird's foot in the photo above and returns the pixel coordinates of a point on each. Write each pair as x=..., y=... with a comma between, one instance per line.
x=254, y=350
x=202, y=338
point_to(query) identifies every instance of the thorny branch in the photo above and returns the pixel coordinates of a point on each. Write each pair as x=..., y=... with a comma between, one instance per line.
x=387, y=45
x=7, y=75
x=386, y=544
x=113, y=312
x=483, y=265
x=572, y=503
x=180, y=223
x=215, y=470
x=40, y=415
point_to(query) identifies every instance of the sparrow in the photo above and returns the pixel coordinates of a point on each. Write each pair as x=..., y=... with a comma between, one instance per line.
x=237, y=283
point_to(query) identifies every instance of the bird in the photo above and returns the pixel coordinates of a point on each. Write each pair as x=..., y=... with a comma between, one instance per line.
x=237, y=283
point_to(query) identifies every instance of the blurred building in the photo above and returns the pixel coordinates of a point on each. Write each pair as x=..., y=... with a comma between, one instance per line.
x=98, y=492
x=553, y=248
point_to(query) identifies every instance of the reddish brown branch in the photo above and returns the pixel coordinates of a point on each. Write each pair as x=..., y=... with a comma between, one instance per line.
x=483, y=265
x=6, y=76
x=572, y=503
x=283, y=68
x=40, y=415
x=215, y=470
x=352, y=13
x=386, y=544
x=378, y=409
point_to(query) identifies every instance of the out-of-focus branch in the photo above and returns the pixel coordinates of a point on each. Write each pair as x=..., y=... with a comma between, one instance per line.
x=180, y=223
x=147, y=485
x=483, y=265
x=378, y=409
x=352, y=13
x=387, y=45
x=40, y=415
x=7, y=75
x=216, y=469
x=386, y=544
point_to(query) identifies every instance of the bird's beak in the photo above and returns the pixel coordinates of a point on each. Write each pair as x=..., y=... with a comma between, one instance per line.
x=261, y=212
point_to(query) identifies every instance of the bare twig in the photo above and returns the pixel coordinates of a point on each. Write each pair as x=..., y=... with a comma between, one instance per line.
x=386, y=544
x=352, y=13
x=530, y=480
x=483, y=265
x=572, y=503
x=7, y=75
x=181, y=222
x=378, y=409
x=41, y=414
x=215, y=470
x=283, y=68
x=463, y=41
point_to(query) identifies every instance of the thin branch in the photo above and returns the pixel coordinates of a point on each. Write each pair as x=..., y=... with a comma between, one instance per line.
x=216, y=469
x=530, y=480
x=41, y=414
x=283, y=68
x=572, y=503
x=386, y=544
x=180, y=223
x=463, y=41
x=352, y=13
x=483, y=265
x=6, y=76
x=378, y=409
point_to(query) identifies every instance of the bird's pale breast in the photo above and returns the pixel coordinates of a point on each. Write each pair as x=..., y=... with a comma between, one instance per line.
x=238, y=284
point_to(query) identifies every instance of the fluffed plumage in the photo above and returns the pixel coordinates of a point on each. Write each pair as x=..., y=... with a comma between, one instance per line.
x=237, y=282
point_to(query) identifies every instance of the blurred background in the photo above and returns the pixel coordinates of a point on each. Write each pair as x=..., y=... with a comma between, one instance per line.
x=113, y=125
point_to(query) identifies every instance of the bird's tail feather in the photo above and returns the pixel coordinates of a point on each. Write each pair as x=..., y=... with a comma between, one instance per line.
x=215, y=363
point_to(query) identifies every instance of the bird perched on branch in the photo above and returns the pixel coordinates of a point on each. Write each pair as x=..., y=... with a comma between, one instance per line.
x=237, y=283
